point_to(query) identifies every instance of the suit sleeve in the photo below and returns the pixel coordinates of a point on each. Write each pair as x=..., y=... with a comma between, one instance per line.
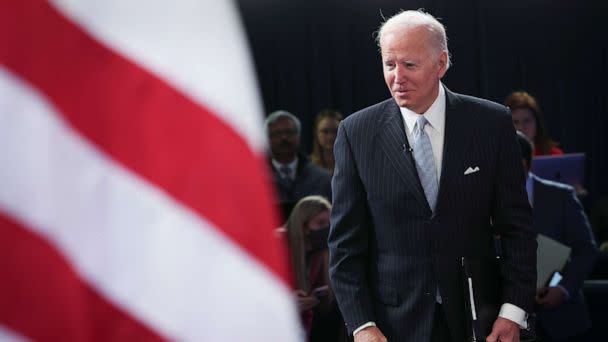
x=578, y=236
x=349, y=236
x=512, y=219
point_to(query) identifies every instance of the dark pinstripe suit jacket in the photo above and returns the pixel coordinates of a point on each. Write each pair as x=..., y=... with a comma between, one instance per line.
x=389, y=253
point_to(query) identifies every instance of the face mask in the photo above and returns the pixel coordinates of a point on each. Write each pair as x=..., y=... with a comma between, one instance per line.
x=318, y=239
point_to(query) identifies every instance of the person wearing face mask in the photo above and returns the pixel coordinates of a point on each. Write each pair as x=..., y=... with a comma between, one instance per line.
x=307, y=229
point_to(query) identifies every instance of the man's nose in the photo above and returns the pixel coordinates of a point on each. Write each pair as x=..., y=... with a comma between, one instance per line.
x=400, y=76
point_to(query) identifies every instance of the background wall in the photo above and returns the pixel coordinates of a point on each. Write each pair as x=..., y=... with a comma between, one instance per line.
x=313, y=54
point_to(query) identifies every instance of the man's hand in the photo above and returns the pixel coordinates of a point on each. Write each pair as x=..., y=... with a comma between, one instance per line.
x=370, y=334
x=550, y=297
x=305, y=301
x=504, y=330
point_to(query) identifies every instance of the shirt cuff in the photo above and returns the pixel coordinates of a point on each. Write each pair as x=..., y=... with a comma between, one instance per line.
x=515, y=314
x=366, y=325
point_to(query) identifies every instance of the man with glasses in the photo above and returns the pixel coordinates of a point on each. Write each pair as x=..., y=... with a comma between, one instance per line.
x=294, y=176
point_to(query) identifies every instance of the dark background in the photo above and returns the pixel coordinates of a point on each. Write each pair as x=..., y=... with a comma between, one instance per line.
x=314, y=54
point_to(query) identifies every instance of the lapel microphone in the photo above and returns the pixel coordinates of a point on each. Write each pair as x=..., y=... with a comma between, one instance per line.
x=407, y=148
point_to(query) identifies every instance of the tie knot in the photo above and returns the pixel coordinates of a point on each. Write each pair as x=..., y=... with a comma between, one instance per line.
x=285, y=172
x=421, y=122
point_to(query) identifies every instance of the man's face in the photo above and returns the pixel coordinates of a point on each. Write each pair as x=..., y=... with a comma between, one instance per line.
x=411, y=71
x=284, y=138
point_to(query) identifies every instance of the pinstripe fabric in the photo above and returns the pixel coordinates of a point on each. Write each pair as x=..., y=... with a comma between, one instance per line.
x=388, y=250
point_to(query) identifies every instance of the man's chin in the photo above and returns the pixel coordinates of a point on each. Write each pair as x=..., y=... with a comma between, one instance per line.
x=401, y=102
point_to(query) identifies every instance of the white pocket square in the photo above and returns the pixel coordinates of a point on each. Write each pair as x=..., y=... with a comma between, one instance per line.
x=471, y=170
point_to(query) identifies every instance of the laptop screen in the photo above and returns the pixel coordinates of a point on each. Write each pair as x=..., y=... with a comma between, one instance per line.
x=566, y=168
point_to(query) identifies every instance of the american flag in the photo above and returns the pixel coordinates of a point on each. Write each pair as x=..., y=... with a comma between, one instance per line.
x=134, y=200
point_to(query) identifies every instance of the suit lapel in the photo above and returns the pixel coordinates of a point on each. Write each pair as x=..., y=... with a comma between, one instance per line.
x=279, y=180
x=457, y=135
x=539, y=208
x=392, y=140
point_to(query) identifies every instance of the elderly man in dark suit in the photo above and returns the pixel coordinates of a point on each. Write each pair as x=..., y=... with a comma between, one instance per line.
x=558, y=214
x=422, y=180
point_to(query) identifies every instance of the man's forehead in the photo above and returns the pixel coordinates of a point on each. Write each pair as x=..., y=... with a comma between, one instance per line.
x=404, y=29
x=282, y=121
x=406, y=47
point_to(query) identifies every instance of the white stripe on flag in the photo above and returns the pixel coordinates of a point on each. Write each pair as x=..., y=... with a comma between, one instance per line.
x=135, y=245
x=197, y=46
x=7, y=335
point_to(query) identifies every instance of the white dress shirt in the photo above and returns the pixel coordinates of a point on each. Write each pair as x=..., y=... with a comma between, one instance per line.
x=435, y=117
x=435, y=129
x=292, y=167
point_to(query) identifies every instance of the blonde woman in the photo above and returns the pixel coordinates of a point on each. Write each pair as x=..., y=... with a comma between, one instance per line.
x=324, y=136
x=306, y=229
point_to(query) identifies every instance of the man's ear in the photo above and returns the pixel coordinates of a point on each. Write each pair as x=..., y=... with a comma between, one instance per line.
x=442, y=62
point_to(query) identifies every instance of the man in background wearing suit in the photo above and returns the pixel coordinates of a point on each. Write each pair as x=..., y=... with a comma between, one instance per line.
x=294, y=176
x=421, y=180
x=562, y=311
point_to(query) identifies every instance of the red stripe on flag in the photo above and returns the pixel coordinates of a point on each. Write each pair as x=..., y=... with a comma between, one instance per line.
x=145, y=124
x=41, y=296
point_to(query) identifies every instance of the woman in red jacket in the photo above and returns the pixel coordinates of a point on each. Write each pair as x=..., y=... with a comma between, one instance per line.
x=528, y=119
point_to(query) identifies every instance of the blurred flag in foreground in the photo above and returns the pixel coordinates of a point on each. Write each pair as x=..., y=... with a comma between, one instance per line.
x=134, y=203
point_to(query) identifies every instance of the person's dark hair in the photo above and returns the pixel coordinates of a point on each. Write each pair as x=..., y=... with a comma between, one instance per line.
x=521, y=99
x=525, y=146
x=316, y=157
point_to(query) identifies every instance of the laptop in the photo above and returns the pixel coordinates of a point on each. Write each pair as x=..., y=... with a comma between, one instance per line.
x=565, y=168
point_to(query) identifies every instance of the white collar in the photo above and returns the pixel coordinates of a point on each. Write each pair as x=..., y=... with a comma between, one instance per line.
x=435, y=115
x=292, y=165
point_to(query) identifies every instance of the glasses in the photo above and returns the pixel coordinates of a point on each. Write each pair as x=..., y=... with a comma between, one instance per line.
x=286, y=132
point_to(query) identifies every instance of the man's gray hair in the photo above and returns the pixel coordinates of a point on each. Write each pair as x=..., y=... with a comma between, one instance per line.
x=274, y=116
x=406, y=20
